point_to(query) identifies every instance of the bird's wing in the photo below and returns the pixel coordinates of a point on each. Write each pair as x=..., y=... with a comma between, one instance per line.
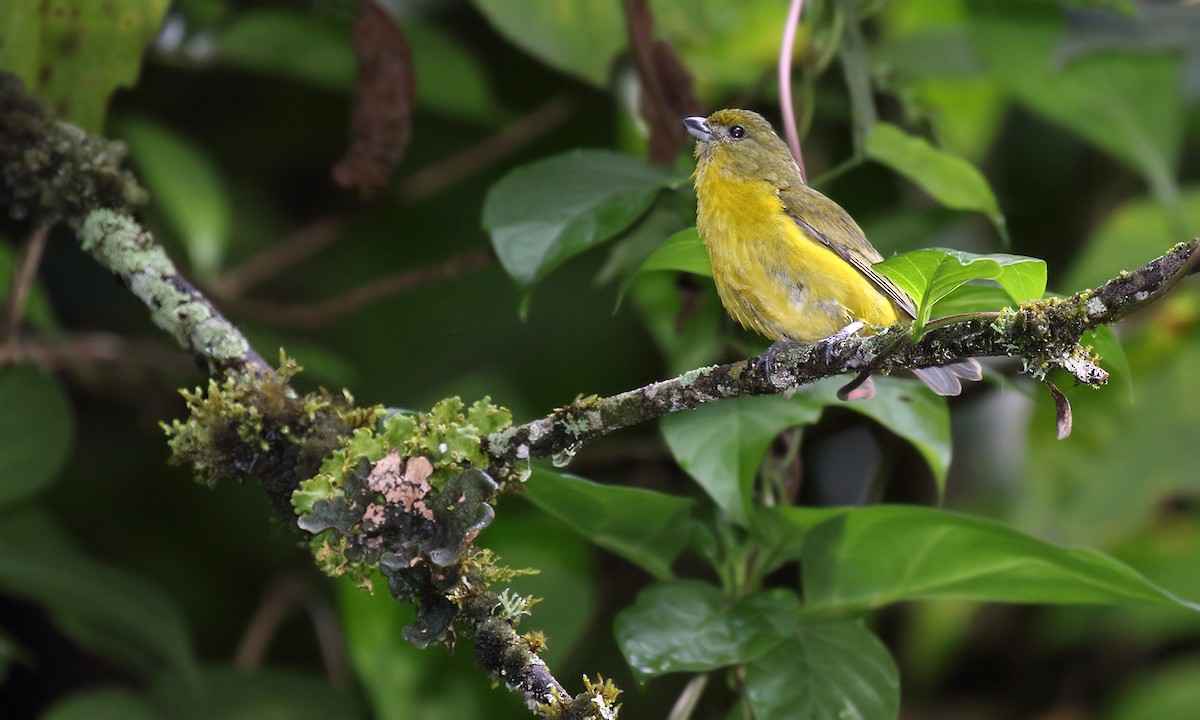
x=812, y=210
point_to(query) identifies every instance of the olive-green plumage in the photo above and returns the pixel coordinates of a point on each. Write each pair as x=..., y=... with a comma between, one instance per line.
x=787, y=261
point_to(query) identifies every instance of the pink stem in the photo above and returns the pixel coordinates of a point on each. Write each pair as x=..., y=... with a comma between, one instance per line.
x=785, y=84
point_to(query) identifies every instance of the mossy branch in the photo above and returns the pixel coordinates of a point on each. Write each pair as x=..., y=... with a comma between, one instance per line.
x=1044, y=334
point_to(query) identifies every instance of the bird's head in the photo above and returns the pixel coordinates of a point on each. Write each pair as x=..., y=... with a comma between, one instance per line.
x=742, y=143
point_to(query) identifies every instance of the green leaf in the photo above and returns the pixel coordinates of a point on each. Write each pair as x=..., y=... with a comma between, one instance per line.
x=825, y=670
x=579, y=37
x=682, y=252
x=645, y=527
x=721, y=444
x=972, y=298
x=106, y=610
x=910, y=410
x=36, y=429
x=949, y=179
x=875, y=556
x=543, y=213
x=931, y=274
x=1127, y=104
x=100, y=704
x=305, y=46
x=187, y=186
x=690, y=626
x=74, y=55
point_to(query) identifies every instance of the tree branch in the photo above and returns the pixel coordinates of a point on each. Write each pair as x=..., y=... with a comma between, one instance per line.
x=1043, y=333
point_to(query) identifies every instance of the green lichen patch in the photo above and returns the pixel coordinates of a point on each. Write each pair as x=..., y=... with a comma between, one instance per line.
x=409, y=496
x=258, y=427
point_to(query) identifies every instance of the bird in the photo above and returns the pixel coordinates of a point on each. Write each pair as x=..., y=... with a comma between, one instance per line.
x=788, y=262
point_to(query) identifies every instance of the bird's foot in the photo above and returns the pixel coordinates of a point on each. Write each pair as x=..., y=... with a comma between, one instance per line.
x=766, y=361
x=827, y=345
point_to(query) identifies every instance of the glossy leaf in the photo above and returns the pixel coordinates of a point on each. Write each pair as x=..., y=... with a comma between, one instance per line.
x=682, y=252
x=875, y=556
x=972, y=298
x=36, y=430
x=824, y=670
x=932, y=274
x=579, y=37
x=690, y=626
x=543, y=213
x=645, y=527
x=949, y=179
x=721, y=444
x=106, y=610
x=187, y=186
x=75, y=55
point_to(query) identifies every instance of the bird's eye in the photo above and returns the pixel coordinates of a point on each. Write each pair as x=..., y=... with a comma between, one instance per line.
x=737, y=132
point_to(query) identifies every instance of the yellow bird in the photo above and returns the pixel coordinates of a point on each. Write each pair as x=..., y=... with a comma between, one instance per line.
x=789, y=262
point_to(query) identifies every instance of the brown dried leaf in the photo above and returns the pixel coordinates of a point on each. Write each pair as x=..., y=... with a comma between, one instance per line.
x=383, y=102
x=666, y=84
x=1062, y=410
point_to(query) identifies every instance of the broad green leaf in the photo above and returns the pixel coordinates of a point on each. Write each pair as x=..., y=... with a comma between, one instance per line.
x=1127, y=104
x=722, y=444
x=36, y=430
x=188, y=187
x=75, y=55
x=972, y=298
x=645, y=527
x=108, y=611
x=875, y=556
x=101, y=704
x=1168, y=690
x=949, y=179
x=908, y=409
x=225, y=692
x=579, y=37
x=780, y=532
x=825, y=670
x=691, y=626
x=931, y=274
x=682, y=252
x=1133, y=234
x=305, y=46
x=543, y=213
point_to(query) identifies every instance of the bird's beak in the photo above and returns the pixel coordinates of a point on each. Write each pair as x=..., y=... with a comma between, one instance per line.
x=698, y=128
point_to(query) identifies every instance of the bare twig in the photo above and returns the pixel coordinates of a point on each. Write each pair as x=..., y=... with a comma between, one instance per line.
x=24, y=273
x=300, y=245
x=280, y=597
x=318, y=313
x=437, y=177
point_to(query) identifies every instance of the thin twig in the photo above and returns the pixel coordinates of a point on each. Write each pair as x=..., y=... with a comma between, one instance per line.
x=689, y=698
x=318, y=313
x=73, y=352
x=280, y=597
x=23, y=275
x=439, y=176
x=296, y=247
x=785, y=84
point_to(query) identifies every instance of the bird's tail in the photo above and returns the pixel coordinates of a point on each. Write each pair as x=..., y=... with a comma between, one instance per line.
x=947, y=379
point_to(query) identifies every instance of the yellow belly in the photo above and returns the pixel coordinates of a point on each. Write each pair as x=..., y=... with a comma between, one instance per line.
x=774, y=279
